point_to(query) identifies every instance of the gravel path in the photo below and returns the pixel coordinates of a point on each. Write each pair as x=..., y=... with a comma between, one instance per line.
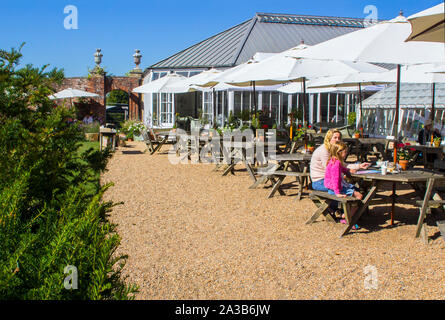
x=192, y=234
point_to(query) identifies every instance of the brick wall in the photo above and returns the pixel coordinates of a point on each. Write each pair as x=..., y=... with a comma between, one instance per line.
x=102, y=85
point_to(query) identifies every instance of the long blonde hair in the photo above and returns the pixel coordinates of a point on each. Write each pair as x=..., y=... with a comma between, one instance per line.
x=328, y=137
x=335, y=151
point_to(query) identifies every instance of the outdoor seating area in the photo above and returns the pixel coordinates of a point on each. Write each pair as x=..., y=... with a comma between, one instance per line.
x=277, y=214
x=278, y=165
x=290, y=156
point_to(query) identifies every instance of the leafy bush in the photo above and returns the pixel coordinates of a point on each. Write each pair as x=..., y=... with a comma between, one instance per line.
x=351, y=118
x=132, y=128
x=51, y=209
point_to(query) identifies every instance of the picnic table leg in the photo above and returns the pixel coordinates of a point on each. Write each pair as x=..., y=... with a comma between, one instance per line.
x=362, y=208
x=393, y=202
x=324, y=205
x=248, y=166
x=259, y=181
x=421, y=222
x=276, y=187
x=230, y=165
x=264, y=178
x=228, y=169
x=301, y=181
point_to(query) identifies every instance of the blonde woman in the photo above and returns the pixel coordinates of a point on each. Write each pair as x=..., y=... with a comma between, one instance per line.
x=320, y=159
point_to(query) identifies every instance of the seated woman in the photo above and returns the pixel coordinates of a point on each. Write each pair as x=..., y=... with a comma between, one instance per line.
x=320, y=159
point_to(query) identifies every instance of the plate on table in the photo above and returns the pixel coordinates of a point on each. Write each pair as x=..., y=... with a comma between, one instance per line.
x=368, y=171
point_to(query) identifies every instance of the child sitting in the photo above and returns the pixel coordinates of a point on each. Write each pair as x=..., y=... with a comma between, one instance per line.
x=335, y=170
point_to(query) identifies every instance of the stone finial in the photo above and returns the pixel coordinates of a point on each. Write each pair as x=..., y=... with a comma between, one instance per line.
x=401, y=12
x=98, y=57
x=136, y=72
x=137, y=58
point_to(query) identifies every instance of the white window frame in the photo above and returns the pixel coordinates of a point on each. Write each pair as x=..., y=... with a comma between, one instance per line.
x=207, y=106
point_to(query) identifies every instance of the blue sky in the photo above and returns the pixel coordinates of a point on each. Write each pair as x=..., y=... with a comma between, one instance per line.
x=159, y=28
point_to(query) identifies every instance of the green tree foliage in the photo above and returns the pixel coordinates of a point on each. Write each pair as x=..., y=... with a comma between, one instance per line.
x=351, y=118
x=117, y=96
x=51, y=208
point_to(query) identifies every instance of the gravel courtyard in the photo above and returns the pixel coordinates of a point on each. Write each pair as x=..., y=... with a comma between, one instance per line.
x=192, y=234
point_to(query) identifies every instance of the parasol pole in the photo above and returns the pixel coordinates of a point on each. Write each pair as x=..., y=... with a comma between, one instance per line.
x=304, y=101
x=304, y=110
x=396, y=118
x=254, y=98
x=361, y=108
x=433, y=94
x=214, y=107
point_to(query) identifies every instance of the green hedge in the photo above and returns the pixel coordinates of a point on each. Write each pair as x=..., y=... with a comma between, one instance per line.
x=51, y=210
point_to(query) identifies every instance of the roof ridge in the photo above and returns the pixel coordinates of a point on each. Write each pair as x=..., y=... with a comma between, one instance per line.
x=246, y=36
x=307, y=16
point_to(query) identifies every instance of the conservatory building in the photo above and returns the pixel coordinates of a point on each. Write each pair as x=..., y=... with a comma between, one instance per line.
x=264, y=33
x=416, y=101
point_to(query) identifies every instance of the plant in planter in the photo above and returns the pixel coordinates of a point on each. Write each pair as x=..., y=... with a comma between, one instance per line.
x=132, y=128
x=437, y=141
x=356, y=134
x=403, y=156
x=299, y=133
x=310, y=146
x=352, y=116
x=256, y=121
x=233, y=122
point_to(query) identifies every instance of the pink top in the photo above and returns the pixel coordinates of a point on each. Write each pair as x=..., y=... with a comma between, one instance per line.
x=334, y=175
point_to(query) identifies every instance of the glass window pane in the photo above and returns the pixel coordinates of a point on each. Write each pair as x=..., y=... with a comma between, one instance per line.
x=237, y=104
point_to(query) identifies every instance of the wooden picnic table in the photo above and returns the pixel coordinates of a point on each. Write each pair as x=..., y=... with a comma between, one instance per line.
x=419, y=179
x=278, y=171
x=189, y=144
x=361, y=147
x=247, y=153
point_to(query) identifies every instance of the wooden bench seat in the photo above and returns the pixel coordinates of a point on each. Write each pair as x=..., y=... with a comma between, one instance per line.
x=277, y=177
x=323, y=200
x=291, y=173
x=326, y=195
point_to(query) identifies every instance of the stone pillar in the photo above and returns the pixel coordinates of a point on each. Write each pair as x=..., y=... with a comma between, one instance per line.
x=134, y=108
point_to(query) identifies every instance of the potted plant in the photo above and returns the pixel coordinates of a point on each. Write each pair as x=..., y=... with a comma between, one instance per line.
x=310, y=146
x=356, y=134
x=403, y=157
x=299, y=133
x=132, y=128
x=436, y=142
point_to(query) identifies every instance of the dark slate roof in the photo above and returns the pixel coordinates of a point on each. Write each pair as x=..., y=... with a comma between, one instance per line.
x=411, y=95
x=218, y=50
x=263, y=33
